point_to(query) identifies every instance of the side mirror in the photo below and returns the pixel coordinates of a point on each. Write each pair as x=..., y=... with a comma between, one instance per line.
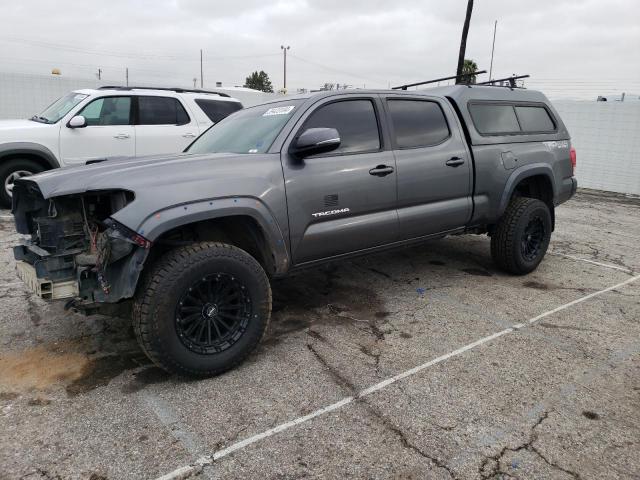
x=314, y=141
x=77, y=122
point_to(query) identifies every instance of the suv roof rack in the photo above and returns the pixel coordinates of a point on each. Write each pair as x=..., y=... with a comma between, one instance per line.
x=176, y=89
x=435, y=80
x=512, y=81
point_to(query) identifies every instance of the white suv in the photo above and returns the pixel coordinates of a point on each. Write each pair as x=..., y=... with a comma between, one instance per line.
x=90, y=125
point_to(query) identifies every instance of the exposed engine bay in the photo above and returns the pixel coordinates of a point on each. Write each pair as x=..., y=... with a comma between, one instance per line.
x=75, y=249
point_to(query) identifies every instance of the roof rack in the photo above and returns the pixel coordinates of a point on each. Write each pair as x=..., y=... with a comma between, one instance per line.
x=512, y=81
x=454, y=77
x=176, y=89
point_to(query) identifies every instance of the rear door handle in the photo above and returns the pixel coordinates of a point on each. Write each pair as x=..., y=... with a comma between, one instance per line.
x=122, y=136
x=189, y=135
x=454, y=162
x=381, y=170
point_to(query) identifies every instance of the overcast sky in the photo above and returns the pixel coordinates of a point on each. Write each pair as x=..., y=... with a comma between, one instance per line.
x=580, y=45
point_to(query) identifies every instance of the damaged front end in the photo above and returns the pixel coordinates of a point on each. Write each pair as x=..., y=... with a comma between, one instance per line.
x=76, y=251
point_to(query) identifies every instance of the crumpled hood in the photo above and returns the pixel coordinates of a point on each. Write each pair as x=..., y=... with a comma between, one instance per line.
x=164, y=182
x=134, y=174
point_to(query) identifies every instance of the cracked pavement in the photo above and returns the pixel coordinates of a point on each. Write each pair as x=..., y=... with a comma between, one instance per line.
x=559, y=399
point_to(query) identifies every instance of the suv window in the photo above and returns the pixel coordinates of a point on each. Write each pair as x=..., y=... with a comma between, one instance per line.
x=108, y=111
x=534, y=119
x=493, y=119
x=417, y=123
x=355, y=121
x=161, y=111
x=216, y=110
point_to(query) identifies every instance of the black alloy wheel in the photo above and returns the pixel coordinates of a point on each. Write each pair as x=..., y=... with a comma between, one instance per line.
x=213, y=313
x=533, y=239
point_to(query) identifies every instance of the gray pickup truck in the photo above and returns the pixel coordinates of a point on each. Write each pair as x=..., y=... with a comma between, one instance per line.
x=189, y=242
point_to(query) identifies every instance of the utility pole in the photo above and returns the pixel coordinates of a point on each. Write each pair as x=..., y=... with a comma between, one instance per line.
x=463, y=40
x=195, y=80
x=201, y=76
x=126, y=73
x=284, y=50
x=493, y=46
x=99, y=74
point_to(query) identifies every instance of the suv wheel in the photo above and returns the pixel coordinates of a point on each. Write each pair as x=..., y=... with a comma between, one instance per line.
x=202, y=309
x=12, y=170
x=522, y=236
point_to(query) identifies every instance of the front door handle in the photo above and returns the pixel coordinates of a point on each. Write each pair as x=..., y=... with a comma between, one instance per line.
x=189, y=135
x=381, y=170
x=122, y=136
x=454, y=162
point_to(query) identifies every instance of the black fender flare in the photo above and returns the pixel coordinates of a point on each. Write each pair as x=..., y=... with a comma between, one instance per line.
x=159, y=222
x=29, y=148
x=520, y=174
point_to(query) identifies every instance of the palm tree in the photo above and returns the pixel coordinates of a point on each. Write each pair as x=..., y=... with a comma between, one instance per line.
x=463, y=39
x=468, y=68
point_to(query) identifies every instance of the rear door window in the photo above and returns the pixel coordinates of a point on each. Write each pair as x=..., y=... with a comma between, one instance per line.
x=534, y=119
x=161, y=111
x=216, y=110
x=355, y=121
x=492, y=119
x=417, y=123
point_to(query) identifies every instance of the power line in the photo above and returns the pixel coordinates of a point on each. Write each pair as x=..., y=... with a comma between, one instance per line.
x=334, y=69
x=150, y=56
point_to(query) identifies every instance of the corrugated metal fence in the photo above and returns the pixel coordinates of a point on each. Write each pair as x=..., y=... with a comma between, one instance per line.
x=606, y=134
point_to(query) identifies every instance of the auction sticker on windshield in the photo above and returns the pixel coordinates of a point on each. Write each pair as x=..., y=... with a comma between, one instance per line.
x=278, y=111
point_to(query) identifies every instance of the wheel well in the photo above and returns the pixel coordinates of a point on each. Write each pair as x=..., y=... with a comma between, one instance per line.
x=241, y=231
x=40, y=160
x=537, y=186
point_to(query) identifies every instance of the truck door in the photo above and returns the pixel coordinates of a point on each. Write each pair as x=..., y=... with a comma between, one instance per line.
x=109, y=132
x=433, y=166
x=344, y=200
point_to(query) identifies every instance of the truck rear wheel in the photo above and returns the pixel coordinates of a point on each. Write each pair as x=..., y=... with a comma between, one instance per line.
x=202, y=309
x=522, y=236
x=10, y=171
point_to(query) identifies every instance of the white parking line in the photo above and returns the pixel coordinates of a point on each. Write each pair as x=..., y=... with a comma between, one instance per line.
x=12, y=284
x=184, y=472
x=6, y=217
x=606, y=265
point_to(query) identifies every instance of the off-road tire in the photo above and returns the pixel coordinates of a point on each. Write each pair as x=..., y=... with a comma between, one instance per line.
x=155, y=303
x=8, y=167
x=506, y=241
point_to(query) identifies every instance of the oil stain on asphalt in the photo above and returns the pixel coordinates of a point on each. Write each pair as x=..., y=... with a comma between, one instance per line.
x=320, y=298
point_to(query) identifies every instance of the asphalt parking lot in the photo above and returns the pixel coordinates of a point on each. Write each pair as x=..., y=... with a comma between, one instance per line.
x=420, y=363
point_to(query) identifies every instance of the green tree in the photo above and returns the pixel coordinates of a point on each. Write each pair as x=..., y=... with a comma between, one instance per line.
x=468, y=67
x=259, y=81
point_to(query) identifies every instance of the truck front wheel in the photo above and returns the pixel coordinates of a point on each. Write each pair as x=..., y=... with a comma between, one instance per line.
x=522, y=236
x=202, y=309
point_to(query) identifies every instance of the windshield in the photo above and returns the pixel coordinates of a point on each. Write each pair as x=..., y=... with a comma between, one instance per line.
x=59, y=108
x=252, y=130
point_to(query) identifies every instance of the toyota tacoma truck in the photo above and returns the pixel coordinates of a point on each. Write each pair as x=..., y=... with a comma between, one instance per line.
x=189, y=242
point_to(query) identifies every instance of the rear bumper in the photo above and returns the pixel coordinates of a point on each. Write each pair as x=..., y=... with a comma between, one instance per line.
x=567, y=190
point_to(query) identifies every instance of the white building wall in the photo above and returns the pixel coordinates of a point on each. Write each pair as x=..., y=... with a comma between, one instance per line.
x=24, y=95
x=606, y=136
